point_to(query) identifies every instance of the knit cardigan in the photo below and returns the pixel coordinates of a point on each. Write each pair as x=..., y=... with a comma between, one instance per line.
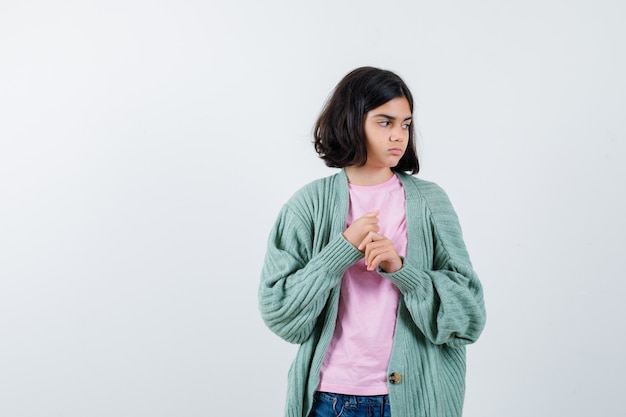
x=441, y=307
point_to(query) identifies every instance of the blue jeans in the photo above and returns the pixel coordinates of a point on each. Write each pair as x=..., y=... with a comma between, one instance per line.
x=326, y=404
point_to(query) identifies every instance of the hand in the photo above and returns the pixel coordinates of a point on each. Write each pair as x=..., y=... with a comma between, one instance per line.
x=380, y=251
x=361, y=227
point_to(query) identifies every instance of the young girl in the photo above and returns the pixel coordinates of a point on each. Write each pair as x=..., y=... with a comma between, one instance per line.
x=367, y=270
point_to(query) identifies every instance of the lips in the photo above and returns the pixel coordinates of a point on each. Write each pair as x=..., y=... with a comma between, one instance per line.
x=396, y=151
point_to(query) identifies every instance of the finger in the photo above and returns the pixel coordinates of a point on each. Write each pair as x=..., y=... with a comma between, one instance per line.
x=369, y=237
x=374, y=261
x=371, y=222
x=372, y=237
x=379, y=256
x=367, y=223
x=375, y=254
x=371, y=244
x=379, y=250
x=374, y=213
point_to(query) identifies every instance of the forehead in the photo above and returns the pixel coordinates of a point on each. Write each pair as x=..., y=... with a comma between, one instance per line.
x=397, y=107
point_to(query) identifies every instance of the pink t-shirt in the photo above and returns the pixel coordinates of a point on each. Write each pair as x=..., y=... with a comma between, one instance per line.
x=358, y=356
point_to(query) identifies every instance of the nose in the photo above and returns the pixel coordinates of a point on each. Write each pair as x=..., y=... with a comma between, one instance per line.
x=398, y=134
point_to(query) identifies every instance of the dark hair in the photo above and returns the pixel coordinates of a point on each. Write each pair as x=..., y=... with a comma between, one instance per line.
x=338, y=134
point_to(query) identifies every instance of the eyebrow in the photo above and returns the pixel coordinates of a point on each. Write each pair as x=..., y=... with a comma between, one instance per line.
x=386, y=116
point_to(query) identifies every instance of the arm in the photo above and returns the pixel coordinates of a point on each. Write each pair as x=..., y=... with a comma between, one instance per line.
x=446, y=302
x=295, y=282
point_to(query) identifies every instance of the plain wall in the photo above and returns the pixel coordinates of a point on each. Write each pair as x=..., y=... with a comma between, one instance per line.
x=146, y=148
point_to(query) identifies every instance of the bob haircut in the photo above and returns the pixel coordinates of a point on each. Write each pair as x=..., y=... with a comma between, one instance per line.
x=338, y=135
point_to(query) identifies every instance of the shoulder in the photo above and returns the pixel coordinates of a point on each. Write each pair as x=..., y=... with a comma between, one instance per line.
x=320, y=193
x=429, y=191
x=316, y=190
x=433, y=198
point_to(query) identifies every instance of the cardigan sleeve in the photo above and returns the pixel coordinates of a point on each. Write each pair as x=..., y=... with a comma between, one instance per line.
x=296, y=281
x=445, y=302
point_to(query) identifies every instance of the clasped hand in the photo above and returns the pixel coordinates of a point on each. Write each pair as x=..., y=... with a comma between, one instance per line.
x=378, y=249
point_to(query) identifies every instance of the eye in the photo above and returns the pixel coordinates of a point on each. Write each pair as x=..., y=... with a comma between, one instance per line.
x=406, y=125
x=384, y=123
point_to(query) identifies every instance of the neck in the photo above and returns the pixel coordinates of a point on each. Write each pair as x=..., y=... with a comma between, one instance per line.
x=367, y=176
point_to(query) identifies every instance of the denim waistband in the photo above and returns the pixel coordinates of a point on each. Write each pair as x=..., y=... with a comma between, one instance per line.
x=353, y=399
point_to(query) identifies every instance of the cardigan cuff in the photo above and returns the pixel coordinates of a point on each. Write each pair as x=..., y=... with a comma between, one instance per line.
x=338, y=255
x=408, y=279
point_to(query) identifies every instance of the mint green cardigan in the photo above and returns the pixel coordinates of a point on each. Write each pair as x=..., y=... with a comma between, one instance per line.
x=441, y=308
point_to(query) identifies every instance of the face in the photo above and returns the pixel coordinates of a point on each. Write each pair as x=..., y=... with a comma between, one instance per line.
x=386, y=131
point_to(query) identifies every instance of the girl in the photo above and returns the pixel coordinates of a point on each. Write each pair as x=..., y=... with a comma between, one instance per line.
x=367, y=270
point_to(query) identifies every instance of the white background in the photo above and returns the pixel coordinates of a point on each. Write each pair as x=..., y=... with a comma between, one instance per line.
x=147, y=146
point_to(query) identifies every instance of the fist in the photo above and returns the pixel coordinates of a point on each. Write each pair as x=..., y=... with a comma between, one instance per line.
x=361, y=227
